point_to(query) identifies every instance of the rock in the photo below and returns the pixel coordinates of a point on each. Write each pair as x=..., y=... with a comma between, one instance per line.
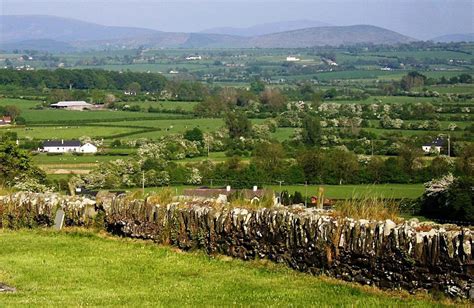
x=388, y=227
x=5, y=288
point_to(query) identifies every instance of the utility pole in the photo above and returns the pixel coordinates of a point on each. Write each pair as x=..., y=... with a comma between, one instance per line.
x=280, y=184
x=143, y=183
x=449, y=146
x=306, y=194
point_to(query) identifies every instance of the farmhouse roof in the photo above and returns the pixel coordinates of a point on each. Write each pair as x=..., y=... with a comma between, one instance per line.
x=71, y=104
x=61, y=143
x=438, y=142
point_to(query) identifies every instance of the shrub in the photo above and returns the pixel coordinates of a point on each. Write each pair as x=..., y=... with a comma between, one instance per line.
x=449, y=198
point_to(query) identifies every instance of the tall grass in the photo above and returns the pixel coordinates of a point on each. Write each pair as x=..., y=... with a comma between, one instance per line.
x=5, y=191
x=239, y=201
x=163, y=196
x=368, y=208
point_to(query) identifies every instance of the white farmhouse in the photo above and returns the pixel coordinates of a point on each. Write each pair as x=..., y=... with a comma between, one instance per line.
x=434, y=147
x=292, y=59
x=73, y=105
x=68, y=146
x=191, y=58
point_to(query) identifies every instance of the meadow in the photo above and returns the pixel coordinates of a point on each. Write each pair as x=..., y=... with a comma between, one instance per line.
x=82, y=268
x=53, y=116
x=385, y=191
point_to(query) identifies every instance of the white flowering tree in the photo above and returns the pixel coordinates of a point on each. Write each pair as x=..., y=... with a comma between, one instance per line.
x=194, y=177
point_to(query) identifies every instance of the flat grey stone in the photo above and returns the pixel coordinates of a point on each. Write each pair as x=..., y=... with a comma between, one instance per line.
x=59, y=220
x=5, y=288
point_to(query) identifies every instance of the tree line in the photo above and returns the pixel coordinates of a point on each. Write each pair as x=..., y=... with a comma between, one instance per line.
x=83, y=79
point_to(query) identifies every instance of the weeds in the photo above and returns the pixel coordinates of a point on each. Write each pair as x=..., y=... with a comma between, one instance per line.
x=163, y=196
x=368, y=208
x=238, y=200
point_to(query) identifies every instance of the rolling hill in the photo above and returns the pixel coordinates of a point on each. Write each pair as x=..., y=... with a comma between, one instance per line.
x=61, y=34
x=15, y=28
x=333, y=36
x=458, y=37
x=267, y=28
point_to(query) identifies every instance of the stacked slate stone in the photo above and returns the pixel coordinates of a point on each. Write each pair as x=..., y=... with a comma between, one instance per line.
x=412, y=256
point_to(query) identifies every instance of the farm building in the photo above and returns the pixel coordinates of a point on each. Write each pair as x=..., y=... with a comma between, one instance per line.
x=67, y=146
x=292, y=59
x=190, y=58
x=73, y=105
x=434, y=147
x=5, y=120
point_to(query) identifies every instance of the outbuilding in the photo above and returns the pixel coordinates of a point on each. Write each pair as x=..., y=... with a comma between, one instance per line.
x=73, y=105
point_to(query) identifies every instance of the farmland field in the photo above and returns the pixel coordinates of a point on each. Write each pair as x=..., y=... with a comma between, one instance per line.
x=362, y=77
x=52, y=116
x=386, y=191
x=77, y=267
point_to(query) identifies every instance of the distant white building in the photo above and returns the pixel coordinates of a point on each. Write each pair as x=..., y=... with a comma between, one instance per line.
x=434, y=147
x=5, y=120
x=72, y=105
x=292, y=59
x=67, y=146
x=191, y=58
x=329, y=62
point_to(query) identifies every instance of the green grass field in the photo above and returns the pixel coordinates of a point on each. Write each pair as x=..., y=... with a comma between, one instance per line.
x=44, y=159
x=51, y=116
x=389, y=191
x=80, y=268
x=166, y=105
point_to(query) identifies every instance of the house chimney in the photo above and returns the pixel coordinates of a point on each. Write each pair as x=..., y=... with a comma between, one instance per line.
x=62, y=141
x=227, y=188
x=255, y=188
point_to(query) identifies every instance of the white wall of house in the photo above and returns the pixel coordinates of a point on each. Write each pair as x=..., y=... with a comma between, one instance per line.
x=61, y=149
x=431, y=149
x=88, y=148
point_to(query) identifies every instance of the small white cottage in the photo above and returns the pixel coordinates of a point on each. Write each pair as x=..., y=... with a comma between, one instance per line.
x=68, y=146
x=436, y=146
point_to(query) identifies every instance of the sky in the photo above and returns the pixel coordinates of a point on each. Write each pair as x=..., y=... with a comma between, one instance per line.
x=421, y=19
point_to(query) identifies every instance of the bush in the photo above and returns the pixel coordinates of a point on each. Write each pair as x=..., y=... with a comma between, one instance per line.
x=449, y=198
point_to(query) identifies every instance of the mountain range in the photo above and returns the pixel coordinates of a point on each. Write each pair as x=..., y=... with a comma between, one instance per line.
x=63, y=34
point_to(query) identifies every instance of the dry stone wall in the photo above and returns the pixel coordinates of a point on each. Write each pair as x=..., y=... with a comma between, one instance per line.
x=410, y=256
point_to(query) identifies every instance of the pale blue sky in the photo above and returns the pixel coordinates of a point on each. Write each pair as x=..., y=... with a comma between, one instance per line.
x=421, y=19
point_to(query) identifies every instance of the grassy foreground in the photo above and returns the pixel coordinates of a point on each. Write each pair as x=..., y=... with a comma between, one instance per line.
x=73, y=268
